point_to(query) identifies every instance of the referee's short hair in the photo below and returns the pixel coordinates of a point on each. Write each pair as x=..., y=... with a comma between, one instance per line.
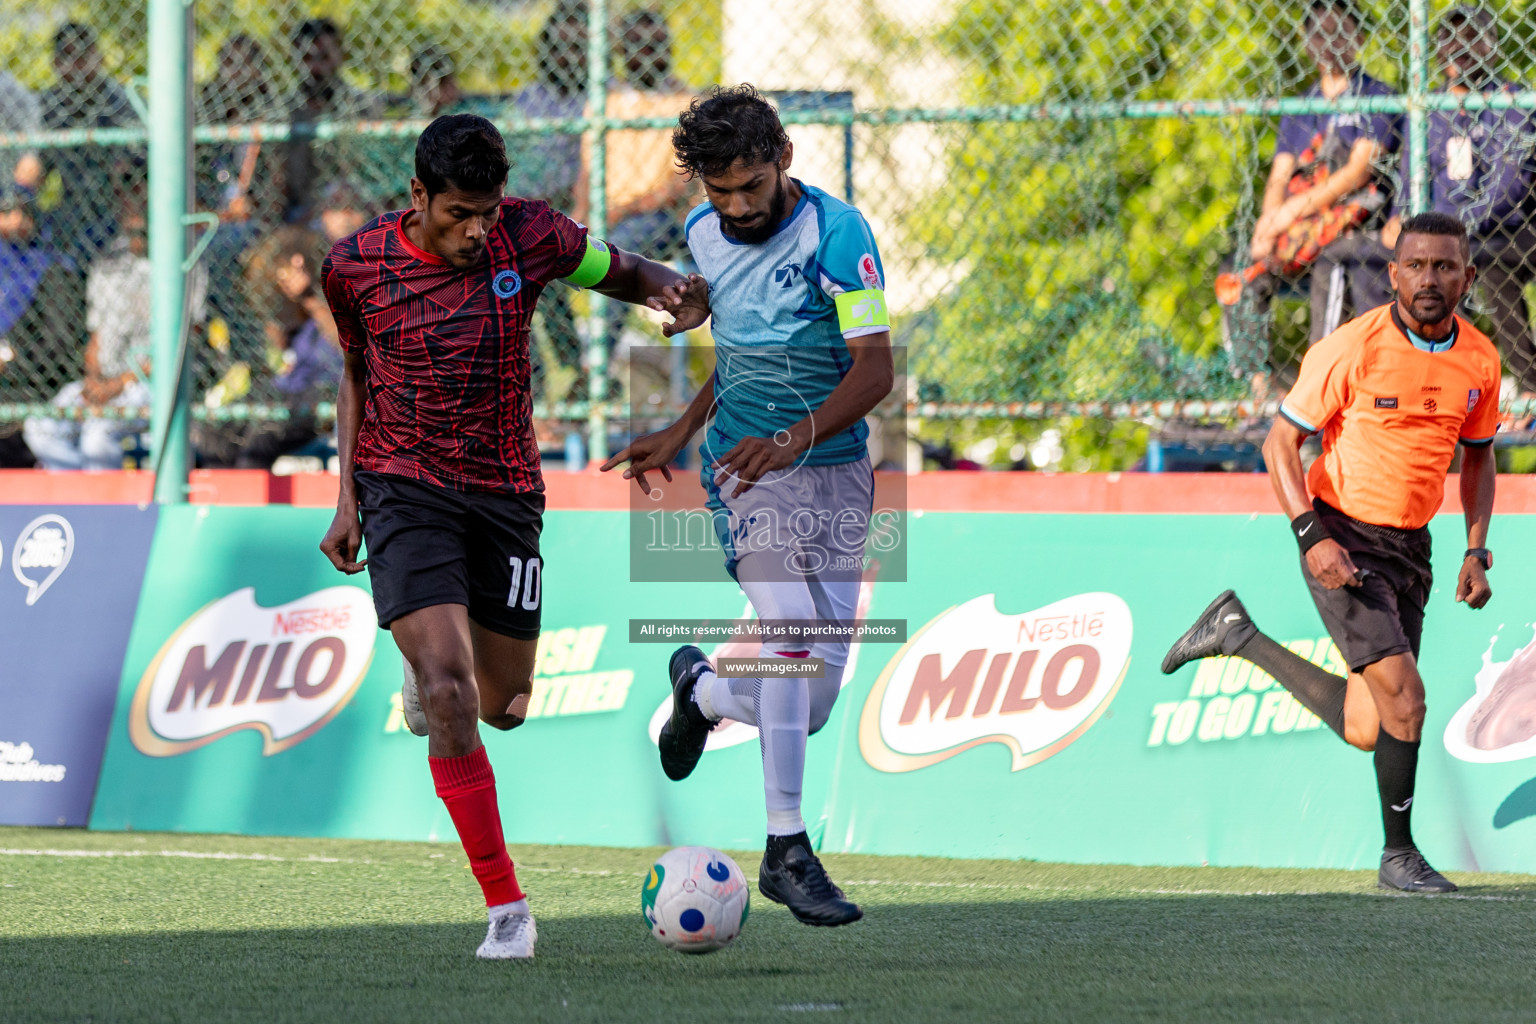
x=461, y=151
x=1433, y=222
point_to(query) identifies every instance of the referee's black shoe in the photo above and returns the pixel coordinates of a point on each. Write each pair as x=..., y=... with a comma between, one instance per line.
x=1222, y=628
x=798, y=881
x=684, y=734
x=1407, y=870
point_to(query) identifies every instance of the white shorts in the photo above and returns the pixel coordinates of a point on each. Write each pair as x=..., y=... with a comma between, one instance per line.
x=796, y=541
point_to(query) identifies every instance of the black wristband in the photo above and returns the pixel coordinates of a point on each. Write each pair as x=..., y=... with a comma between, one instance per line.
x=1308, y=530
x=1483, y=555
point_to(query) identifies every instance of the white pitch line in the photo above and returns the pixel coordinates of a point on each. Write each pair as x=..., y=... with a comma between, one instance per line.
x=629, y=876
x=1086, y=890
x=188, y=854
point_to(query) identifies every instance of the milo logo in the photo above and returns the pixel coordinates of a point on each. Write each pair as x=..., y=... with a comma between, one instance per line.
x=283, y=672
x=1033, y=682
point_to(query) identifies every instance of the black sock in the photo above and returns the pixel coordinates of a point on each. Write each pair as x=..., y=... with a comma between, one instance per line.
x=778, y=846
x=1397, y=762
x=1321, y=693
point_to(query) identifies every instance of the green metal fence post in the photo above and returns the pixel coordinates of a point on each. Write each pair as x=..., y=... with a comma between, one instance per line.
x=170, y=152
x=1418, y=116
x=597, y=222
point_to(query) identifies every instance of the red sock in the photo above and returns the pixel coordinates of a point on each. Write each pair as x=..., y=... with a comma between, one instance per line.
x=468, y=788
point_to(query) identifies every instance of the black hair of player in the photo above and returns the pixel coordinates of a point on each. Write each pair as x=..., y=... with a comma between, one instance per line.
x=463, y=152
x=728, y=124
x=1340, y=8
x=1433, y=222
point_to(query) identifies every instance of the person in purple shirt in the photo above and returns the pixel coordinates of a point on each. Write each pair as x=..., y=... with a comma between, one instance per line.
x=1356, y=148
x=1482, y=170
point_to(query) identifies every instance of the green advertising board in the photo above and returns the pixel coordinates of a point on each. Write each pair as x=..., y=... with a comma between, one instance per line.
x=1024, y=716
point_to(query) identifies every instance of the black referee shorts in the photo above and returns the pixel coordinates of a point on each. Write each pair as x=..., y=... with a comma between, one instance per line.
x=432, y=545
x=1385, y=614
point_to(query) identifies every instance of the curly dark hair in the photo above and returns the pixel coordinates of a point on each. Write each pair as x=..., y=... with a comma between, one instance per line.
x=729, y=123
x=462, y=151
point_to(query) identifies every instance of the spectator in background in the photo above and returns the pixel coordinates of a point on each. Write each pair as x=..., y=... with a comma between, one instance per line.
x=85, y=95
x=19, y=112
x=1482, y=170
x=93, y=179
x=303, y=361
x=240, y=181
x=241, y=90
x=40, y=323
x=116, y=359
x=239, y=93
x=342, y=212
x=322, y=95
x=648, y=199
x=547, y=165
x=1330, y=183
x=435, y=87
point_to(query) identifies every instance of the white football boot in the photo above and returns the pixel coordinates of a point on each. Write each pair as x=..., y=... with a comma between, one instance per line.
x=510, y=937
x=410, y=702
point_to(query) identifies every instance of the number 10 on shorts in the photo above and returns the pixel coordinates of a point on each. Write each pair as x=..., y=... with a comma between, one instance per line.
x=524, y=591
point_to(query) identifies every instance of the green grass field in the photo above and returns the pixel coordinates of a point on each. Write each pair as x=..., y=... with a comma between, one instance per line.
x=147, y=927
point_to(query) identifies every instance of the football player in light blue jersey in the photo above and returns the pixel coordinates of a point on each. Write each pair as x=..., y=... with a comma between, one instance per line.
x=803, y=354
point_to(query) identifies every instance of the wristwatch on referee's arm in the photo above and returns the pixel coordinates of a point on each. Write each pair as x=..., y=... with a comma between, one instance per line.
x=1482, y=555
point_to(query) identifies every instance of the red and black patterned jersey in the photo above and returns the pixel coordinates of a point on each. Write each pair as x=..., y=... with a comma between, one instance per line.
x=449, y=395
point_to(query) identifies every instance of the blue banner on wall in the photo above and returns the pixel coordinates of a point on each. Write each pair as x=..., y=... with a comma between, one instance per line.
x=69, y=586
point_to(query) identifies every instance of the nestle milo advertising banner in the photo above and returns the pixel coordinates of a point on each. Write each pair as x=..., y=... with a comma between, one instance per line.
x=1021, y=713
x=69, y=583
x=259, y=695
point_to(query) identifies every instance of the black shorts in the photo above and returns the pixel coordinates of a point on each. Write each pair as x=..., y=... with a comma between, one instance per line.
x=434, y=545
x=1385, y=614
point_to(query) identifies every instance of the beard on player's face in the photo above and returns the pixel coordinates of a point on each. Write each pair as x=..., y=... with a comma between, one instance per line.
x=760, y=225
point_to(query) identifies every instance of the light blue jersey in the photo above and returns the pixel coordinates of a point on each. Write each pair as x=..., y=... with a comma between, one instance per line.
x=782, y=310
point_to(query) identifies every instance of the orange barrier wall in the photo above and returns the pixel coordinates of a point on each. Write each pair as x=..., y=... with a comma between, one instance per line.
x=1181, y=493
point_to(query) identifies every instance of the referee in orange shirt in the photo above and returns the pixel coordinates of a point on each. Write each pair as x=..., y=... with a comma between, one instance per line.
x=1393, y=392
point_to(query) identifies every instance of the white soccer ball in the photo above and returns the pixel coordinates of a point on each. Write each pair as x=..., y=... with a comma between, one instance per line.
x=694, y=899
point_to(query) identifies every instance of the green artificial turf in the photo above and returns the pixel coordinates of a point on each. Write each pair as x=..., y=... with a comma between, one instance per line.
x=260, y=929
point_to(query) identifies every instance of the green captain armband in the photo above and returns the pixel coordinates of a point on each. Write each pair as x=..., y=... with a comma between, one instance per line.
x=594, y=265
x=864, y=308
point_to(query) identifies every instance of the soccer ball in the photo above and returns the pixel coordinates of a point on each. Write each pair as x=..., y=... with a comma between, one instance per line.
x=694, y=899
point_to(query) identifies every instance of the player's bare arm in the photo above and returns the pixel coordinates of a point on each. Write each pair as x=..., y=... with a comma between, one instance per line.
x=1477, y=485
x=866, y=385
x=1327, y=560
x=642, y=282
x=345, y=537
x=656, y=451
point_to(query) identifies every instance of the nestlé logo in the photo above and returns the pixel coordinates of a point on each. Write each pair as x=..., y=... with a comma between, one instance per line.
x=1033, y=682
x=283, y=671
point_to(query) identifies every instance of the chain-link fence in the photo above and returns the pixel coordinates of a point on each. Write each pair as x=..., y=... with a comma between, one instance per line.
x=1110, y=229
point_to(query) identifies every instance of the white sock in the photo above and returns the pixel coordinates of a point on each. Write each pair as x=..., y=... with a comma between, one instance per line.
x=734, y=698
x=783, y=723
x=502, y=909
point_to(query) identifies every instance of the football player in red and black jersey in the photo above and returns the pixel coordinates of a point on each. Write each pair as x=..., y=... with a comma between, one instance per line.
x=439, y=465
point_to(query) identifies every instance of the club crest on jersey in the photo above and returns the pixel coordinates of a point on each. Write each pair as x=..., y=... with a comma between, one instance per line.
x=507, y=284
x=786, y=275
x=869, y=273
x=1473, y=394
